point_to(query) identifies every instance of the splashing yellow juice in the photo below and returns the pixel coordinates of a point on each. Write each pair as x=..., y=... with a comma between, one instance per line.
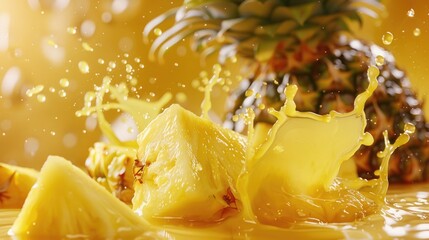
x=283, y=182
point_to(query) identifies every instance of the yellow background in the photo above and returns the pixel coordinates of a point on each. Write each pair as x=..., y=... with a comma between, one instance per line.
x=40, y=48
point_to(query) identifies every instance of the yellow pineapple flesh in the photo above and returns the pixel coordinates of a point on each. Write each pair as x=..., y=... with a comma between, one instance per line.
x=66, y=203
x=15, y=183
x=188, y=168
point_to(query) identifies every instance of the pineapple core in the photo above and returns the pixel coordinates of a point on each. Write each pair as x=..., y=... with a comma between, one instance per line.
x=189, y=166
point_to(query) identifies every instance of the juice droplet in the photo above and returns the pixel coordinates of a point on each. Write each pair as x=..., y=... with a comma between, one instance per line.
x=128, y=68
x=249, y=93
x=409, y=128
x=41, y=98
x=112, y=64
x=387, y=38
x=101, y=61
x=379, y=60
x=87, y=47
x=52, y=43
x=411, y=13
x=157, y=31
x=72, y=30
x=64, y=82
x=52, y=89
x=417, y=32
x=83, y=67
x=181, y=97
x=62, y=93
x=133, y=81
x=35, y=90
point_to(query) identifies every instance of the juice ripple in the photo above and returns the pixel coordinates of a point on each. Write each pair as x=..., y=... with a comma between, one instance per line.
x=405, y=215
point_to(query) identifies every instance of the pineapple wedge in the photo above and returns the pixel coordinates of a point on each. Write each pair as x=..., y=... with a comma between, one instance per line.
x=188, y=168
x=15, y=183
x=66, y=203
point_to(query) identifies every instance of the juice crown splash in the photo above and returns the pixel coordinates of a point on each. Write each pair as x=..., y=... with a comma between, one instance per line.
x=292, y=176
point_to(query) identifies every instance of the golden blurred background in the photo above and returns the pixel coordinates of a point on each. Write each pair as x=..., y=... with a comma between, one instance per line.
x=68, y=46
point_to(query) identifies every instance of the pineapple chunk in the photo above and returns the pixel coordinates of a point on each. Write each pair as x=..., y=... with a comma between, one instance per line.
x=65, y=203
x=189, y=167
x=15, y=183
x=112, y=167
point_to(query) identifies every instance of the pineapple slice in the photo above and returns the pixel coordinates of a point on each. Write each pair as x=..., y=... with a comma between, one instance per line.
x=188, y=168
x=67, y=203
x=15, y=183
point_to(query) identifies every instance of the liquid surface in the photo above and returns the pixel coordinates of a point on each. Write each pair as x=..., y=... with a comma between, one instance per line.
x=405, y=215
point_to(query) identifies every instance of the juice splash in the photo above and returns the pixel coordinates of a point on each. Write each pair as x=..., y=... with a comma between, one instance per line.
x=283, y=183
x=141, y=111
x=292, y=176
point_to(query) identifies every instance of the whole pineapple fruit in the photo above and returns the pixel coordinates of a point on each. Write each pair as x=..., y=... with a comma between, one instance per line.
x=307, y=43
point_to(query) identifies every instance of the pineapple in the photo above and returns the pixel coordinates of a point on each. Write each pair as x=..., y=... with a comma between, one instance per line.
x=66, y=203
x=112, y=167
x=188, y=168
x=15, y=183
x=307, y=43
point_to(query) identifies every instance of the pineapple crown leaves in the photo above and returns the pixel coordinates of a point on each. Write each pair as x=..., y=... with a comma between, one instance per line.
x=251, y=28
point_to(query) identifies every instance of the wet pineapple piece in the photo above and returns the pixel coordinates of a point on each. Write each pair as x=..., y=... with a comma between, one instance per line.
x=66, y=203
x=15, y=183
x=188, y=168
x=112, y=167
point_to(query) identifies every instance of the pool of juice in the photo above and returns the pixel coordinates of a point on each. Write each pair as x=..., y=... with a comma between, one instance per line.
x=404, y=216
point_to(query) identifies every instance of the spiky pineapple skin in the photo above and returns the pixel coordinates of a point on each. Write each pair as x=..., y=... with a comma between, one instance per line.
x=331, y=81
x=304, y=42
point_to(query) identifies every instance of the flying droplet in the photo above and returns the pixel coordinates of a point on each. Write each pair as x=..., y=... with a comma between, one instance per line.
x=35, y=90
x=64, y=82
x=62, y=93
x=87, y=28
x=112, y=64
x=41, y=98
x=128, y=68
x=83, y=67
x=379, y=60
x=387, y=38
x=249, y=93
x=87, y=47
x=409, y=127
x=181, y=97
x=157, y=31
x=72, y=30
x=417, y=32
x=106, y=17
x=69, y=140
x=411, y=13
x=11, y=82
